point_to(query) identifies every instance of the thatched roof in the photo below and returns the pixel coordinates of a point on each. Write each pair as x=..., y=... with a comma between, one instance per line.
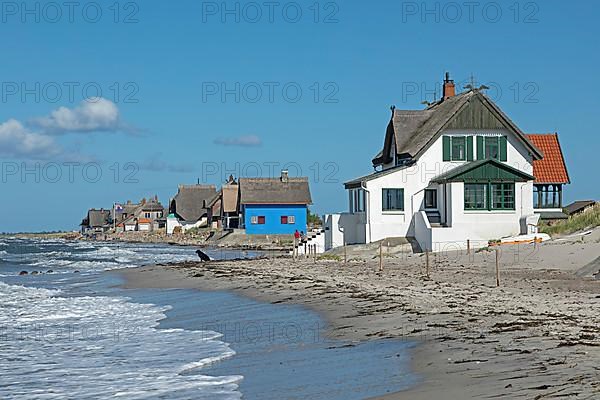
x=413, y=131
x=230, y=198
x=97, y=218
x=274, y=191
x=189, y=203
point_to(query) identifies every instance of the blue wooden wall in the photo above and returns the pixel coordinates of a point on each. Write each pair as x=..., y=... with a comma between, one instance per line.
x=273, y=214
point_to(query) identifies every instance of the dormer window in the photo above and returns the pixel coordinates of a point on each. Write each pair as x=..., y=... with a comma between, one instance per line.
x=492, y=147
x=457, y=148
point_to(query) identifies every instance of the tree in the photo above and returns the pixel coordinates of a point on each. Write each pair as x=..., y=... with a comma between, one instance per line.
x=313, y=219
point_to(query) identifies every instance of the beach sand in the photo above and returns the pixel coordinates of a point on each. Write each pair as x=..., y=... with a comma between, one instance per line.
x=536, y=336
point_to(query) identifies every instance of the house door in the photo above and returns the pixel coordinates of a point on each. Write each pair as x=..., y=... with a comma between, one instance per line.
x=431, y=197
x=431, y=206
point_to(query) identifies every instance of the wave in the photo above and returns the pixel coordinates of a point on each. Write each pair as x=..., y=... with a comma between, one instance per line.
x=109, y=343
x=189, y=367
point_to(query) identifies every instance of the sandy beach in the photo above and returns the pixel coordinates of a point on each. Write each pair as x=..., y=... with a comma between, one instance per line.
x=536, y=336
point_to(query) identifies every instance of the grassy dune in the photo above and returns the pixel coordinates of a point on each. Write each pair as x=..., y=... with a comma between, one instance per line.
x=587, y=220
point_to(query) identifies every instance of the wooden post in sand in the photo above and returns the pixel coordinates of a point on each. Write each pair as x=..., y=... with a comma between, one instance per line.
x=381, y=256
x=315, y=252
x=345, y=254
x=497, y=268
x=468, y=246
x=427, y=262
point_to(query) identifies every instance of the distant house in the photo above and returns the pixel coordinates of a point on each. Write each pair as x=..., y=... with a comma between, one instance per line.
x=130, y=225
x=154, y=211
x=188, y=208
x=230, y=208
x=578, y=207
x=96, y=221
x=213, y=210
x=129, y=214
x=144, y=224
x=274, y=205
x=550, y=174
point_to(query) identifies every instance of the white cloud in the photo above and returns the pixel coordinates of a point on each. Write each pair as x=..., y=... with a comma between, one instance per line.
x=92, y=115
x=155, y=163
x=18, y=142
x=243, y=141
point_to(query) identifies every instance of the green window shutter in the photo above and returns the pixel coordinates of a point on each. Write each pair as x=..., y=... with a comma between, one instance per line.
x=446, y=144
x=469, y=148
x=480, y=148
x=503, y=148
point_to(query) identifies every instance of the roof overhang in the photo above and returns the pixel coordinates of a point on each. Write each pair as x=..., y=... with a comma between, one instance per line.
x=483, y=171
x=549, y=215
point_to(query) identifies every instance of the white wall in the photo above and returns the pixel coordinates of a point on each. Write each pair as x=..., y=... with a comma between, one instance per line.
x=334, y=236
x=144, y=227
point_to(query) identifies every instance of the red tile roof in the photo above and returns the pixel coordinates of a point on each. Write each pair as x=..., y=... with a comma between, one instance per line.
x=144, y=221
x=551, y=168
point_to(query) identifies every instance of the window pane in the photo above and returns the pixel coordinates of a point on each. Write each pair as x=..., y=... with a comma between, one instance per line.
x=491, y=147
x=392, y=199
x=475, y=196
x=503, y=196
x=458, y=148
x=284, y=219
x=261, y=220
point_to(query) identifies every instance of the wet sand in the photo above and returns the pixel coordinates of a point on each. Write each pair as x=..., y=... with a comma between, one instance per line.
x=536, y=336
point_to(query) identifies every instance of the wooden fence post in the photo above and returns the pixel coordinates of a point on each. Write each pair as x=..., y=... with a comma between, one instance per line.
x=468, y=246
x=345, y=254
x=381, y=256
x=427, y=262
x=497, y=268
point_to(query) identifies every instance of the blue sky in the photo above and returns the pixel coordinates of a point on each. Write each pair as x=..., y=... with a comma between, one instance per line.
x=197, y=90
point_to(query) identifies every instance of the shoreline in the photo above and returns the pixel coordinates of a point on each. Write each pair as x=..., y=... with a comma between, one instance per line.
x=533, y=336
x=159, y=239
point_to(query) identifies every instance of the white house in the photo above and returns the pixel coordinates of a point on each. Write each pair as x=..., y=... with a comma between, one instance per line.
x=457, y=170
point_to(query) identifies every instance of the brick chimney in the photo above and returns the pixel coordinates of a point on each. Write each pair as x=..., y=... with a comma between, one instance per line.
x=449, y=88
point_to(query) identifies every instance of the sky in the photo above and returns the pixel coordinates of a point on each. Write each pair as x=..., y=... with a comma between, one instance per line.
x=105, y=101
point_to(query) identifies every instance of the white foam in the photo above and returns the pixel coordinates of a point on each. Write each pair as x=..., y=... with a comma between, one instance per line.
x=91, y=347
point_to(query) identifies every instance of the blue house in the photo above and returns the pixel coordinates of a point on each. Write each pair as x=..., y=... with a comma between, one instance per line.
x=274, y=206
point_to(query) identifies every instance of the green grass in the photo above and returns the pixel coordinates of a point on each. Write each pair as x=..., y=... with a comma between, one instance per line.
x=587, y=220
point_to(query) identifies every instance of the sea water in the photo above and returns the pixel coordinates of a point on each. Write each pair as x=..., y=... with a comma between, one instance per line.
x=70, y=331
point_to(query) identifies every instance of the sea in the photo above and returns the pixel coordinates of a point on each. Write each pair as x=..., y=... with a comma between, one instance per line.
x=69, y=330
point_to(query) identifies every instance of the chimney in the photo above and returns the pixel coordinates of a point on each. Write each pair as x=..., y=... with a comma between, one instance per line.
x=284, y=176
x=449, y=88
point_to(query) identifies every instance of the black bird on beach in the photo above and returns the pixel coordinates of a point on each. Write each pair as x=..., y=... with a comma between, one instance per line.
x=203, y=256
